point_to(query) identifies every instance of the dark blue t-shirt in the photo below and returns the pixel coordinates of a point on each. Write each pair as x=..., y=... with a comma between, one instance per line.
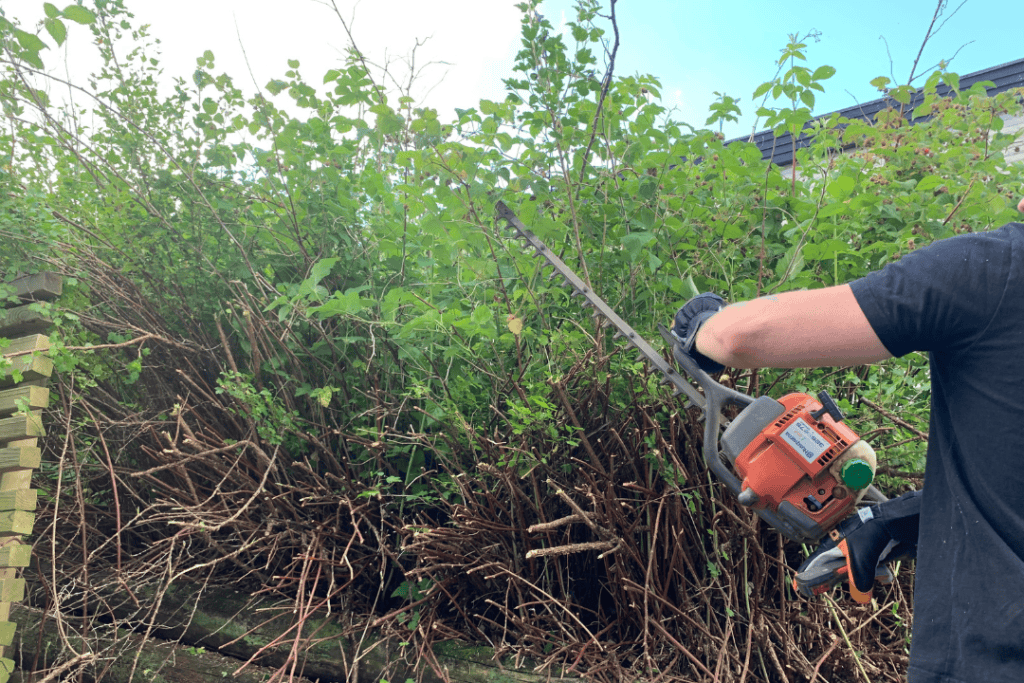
x=962, y=301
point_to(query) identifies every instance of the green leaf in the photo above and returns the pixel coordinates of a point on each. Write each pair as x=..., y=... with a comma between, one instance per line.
x=823, y=73
x=482, y=315
x=348, y=303
x=841, y=186
x=293, y=63
x=763, y=89
x=902, y=94
x=51, y=10
x=733, y=232
x=826, y=250
x=924, y=110
x=56, y=29
x=414, y=621
x=389, y=124
x=648, y=188
x=322, y=269
x=635, y=242
x=430, y=321
x=790, y=264
x=79, y=14
x=929, y=182
x=29, y=41
x=833, y=209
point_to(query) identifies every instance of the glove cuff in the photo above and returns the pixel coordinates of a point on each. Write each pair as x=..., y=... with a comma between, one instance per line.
x=706, y=364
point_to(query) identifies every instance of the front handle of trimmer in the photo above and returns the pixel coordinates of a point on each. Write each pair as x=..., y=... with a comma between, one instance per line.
x=717, y=397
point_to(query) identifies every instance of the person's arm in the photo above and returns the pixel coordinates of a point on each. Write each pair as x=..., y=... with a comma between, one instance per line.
x=811, y=328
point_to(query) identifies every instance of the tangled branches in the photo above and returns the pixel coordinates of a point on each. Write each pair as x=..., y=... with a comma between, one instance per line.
x=590, y=542
x=624, y=562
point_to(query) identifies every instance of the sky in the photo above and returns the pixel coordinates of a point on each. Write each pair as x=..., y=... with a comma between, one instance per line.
x=468, y=46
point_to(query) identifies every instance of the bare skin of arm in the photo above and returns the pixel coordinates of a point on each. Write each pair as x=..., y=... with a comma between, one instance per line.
x=812, y=328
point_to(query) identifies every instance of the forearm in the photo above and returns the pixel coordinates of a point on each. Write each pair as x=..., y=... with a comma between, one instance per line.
x=812, y=328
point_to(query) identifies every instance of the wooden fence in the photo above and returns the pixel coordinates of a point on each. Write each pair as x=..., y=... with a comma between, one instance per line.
x=23, y=396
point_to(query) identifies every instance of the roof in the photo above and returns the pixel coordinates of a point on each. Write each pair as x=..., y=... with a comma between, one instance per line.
x=779, y=150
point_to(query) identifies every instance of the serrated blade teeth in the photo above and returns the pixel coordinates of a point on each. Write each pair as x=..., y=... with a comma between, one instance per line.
x=665, y=381
x=586, y=304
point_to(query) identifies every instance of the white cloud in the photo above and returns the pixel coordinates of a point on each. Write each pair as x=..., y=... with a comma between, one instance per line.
x=477, y=41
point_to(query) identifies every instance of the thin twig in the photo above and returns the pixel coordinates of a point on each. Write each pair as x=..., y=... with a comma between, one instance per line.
x=605, y=84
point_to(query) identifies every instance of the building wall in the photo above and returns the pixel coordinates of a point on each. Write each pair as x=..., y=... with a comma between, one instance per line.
x=1015, y=153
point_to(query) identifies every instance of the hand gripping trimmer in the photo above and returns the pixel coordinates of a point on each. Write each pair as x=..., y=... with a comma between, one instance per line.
x=793, y=461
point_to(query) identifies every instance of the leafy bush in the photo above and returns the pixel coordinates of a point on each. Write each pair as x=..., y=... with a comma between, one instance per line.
x=295, y=337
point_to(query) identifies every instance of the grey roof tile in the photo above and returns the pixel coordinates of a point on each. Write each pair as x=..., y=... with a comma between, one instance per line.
x=780, y=149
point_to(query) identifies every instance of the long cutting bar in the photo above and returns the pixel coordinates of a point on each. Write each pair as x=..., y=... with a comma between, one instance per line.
x=601, y=309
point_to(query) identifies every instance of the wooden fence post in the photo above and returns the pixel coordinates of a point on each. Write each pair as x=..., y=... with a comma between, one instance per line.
x=24, y=373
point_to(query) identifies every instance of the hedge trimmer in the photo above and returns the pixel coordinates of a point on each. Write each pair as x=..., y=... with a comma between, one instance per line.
x=791, y=460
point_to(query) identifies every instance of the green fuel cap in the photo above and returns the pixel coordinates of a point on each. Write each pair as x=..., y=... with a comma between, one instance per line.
x=856, y=473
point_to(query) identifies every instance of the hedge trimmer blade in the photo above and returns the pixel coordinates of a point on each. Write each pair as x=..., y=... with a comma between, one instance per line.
x=602, y=312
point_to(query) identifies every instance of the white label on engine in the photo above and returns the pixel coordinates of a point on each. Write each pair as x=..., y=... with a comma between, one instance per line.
x=805, y=441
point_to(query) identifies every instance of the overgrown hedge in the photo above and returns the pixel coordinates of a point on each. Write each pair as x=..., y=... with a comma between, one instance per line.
x=298, y=352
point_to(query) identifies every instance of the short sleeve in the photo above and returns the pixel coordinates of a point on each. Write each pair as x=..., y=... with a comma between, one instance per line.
x=941, y=296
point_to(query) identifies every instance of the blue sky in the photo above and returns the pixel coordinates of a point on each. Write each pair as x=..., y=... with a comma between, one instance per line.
x=694, y=48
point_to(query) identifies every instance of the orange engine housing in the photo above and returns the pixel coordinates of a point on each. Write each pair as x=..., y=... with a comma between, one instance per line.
x=789, y=463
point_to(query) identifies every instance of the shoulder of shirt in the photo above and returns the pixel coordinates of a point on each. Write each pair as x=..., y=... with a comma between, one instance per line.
x=1006, y=234
x=1015, y=229
x=1008, y=231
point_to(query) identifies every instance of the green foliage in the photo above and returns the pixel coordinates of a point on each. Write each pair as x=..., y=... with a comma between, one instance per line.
x=292, y=334
x=342, y=237
x=724, y=108
x=24, y=46
x=797, y=85
x=274, y=422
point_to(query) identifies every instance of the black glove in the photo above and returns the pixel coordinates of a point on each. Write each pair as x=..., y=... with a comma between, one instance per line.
x=862, y=543
x=688, y=321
